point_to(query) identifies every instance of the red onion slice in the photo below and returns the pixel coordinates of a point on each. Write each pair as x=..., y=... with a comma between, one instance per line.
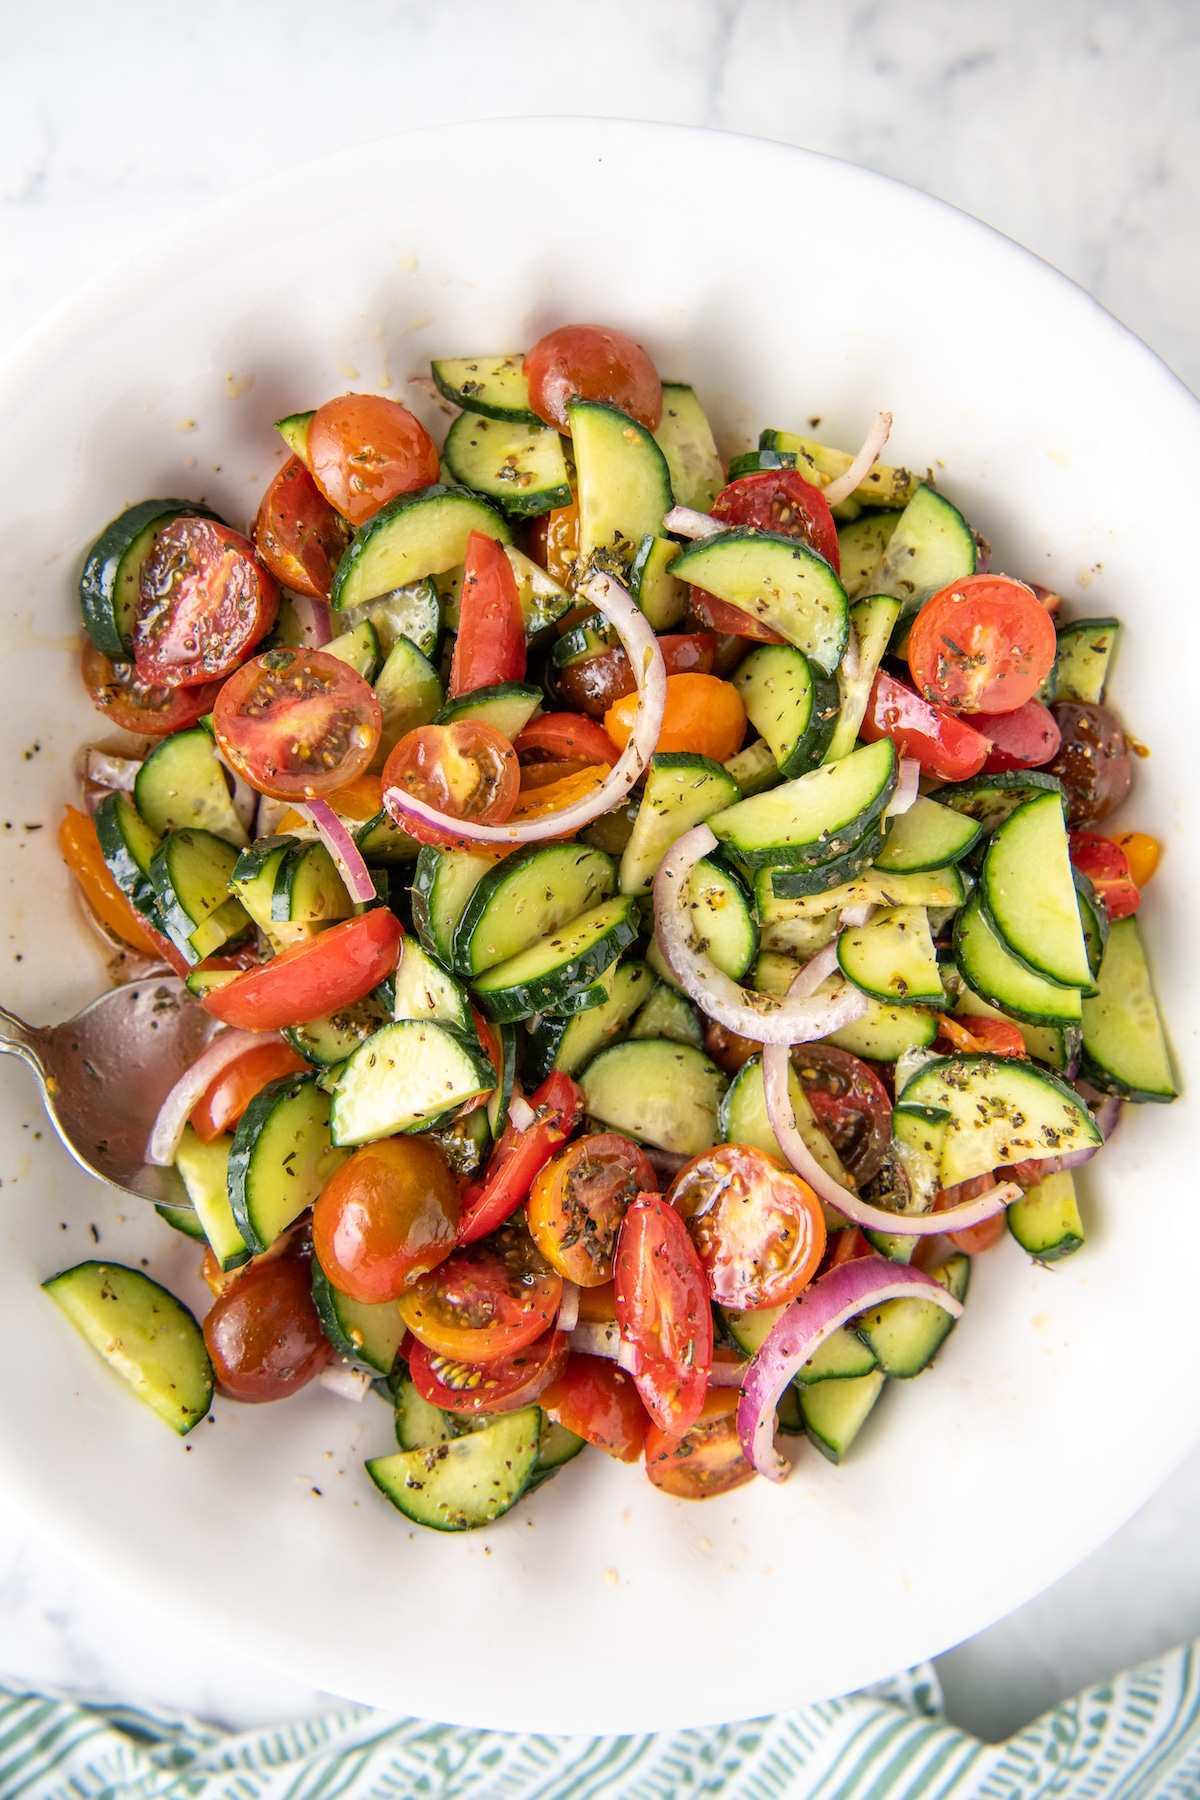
x=831, y=1301
x=342, y=847
x=649, y=671
x=345, y=1382
x=595, y=1338
x=685, y=521
x=907, y=788
x=568, y=1309
x=521, y=1115
x=111, y=772
x=313, y=618
x=174, y=1112
x=727, y=1374
x=864, y=462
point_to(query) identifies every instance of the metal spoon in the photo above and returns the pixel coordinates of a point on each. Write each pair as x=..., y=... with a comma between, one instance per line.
x=105, y=1073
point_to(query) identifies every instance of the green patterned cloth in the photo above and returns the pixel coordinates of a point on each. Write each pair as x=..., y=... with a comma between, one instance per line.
x=1137, y=1738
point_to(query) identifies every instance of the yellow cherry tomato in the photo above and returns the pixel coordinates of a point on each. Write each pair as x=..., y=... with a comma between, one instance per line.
x=1141, y=853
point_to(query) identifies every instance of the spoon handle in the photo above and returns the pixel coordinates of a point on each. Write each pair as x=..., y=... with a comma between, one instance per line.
x=19, y=1039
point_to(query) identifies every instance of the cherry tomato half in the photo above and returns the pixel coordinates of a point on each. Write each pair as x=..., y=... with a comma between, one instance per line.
x=557, y=1106
x=147, y=708
x=936, y=738
x=490, y=645
x=982, y=645
x=1024, y=739
x=486, y=1300
x=979, y=1034
x=852, y=1105
x=1092, y=761
x=757, y=1228
x=599, y=1402
x=1107, y=868
x=386, y=1216
x=781, y=500
x=597, y=682
x=972, y=1238
x=313, y=979
x=263, y=1333
x=705, y=1460
x=204, y=601
x=578, y=1200
x=592, y=362
x=364, y=450
x=554, y=542
x=730, y=620
x=505, y=1384
x=703, y=714
x=226, y=1098
x=298, y=535
x=664, y=1314
x=565, y=737
x=297, y=723
x=466, y=769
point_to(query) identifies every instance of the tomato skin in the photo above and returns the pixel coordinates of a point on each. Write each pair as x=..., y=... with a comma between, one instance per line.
x=147, y=708
x=466, y=769
x=982, y=645
x=1107, y=868
x=226, y=1098
x=203, y=603
x=82, y=854
x=703, y=714
x=1092, y=761
x=577, y=1202
x=757, y=1228
x=490, y=646
x=387, y=1215
x=564, y=736
x=504, y=1385
x=364, y=450
x=731, y=620
x=517, y=1158
x=972, y=1238
x=852, y=1106
x=596, y=683
x=705, y=1460
x=781, y=500
x=554, y=542
x=592, y=362
x=728, y=1049
x=663, y=1310
x=977, y=1033
x=297, y=723
x=1024, y=739
x=298, y=535
x=313, y=979
x=940, y=742
x=1142, y=854
x=263, y=1333
x=598, y=1401
x=486, y=1300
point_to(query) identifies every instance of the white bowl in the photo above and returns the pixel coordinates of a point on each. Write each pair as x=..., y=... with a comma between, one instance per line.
x=787, y=288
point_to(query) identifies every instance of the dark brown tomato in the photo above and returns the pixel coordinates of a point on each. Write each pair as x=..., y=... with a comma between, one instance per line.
x=578, y=1200
x=851, y=1104
x=1093, y=761
x=203, y=603
x=298, y=534
x=728, y=1049
x=147, y=708
x=263, y=1333
x=595, y=683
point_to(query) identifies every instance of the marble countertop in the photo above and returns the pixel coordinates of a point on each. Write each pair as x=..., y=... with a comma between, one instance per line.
x=1073, y=129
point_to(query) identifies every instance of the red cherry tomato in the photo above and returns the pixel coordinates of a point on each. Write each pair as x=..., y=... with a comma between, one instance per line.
x=486, y=1300
x=852, y=1105
x=1024, y=739
x=226, y=1098
x=599, y=1402
x=297, y=723
x=387, y=1215
x=298, y=535
x=364, y=450
x=972, y=1238
x=490, y=646
x=757, y=1228
x=706, y=1459
x=592, y=362
x=1107, y=868
x=566, y=737
x=578, y=1200
x=662, y=1306
x=557, y=1108
x=982, y=645
x=313, y=979
x=977, y=1034
x=263, y=1333
x=466, y=769
x=730, y=620
x=937, y=739
x=844, y=1246
x=505, y=1384
x=781, y=500
x=147, y=708
x=203, y=603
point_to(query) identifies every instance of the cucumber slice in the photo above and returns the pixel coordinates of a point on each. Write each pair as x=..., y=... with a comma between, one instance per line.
x=359, y=648
x=190, y=874
x=777, y=579
x=112, y=571
x=592, y=636
x=750, y=1330
x=1124, y=1046
x=861, y=544
x=1057, y=1045
x=181, y=783
x=508, y=706
x=183, y=1220
x=814, y=818
x=252, y=880
x=1045, y=1220
x=442, y=884
x=744, y=1118
x=874, y=620
x=1028, y=893
x=830, y=877
x=204, y=1170
x=991, y=799
x=668, y=1014
x=662, y=598
x=422, y=989
x=144, y=1333
x=414, y=612
x=1093, y=919
x=842, y=1357
x=1085, y=649
x=754, y=769
x=294, y=432
x=409, y=694
x=419, y=1424
x=927, y=836
x=128, y=845
x=329, y=1041
x=280, y=1159
x=885, y=1032
x=721, y=919
x=1002, y=1110
x=681, y=790
x=409, y=1075
x=500, y=1099
x=685, y=438
x=931, y=546
x=556, y=1447
x=990, y=971
x=570, y=1044
x=368, y=1336
x=660, y=1093
x=414, y=535
x=624, y=485
x=380, y=839
x=793, y=708
x=543, y=601
x=906, y=1335
x=465, y=1483
x=520, y=467
x=559, y=972
x=938, y=888
x=892, y=958
x=882, y=485
x=493, y=386
x=834, y=1412
x=526, y=898
x=788, y=926
x=308, y=891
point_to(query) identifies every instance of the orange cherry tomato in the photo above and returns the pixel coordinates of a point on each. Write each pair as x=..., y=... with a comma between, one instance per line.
x=386, y=1216
x=312, y=979
x=979, y=1034
x=263, y=1334
x=598, y=1305
x=578, y=1200
x=204, y=601
x=664, y=1313
x=297, y=723
x=598, y=1401
x=554, y=542
x=592, y=362
x=703, y=714
x=81, y=852
x=972, y=1238
x=147, y=708
x=466, y=769
x=1141, y=853
x=298, y=535
x=505, y=1384
x=705, y=1460
x=226, y=1097
x=364, y=450
x=758, y=1229
x=486, y=1300
x=982, y=645
x=552, y=796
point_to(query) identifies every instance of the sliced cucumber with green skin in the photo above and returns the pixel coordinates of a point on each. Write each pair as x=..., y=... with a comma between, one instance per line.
x=789, y=926
x=991, y=799
x=937, y=888
x=408, y=1076
x=931, y=546
x=570, y=1044
x=816, y=817
x=986, y=965
x=754, y=769
x=190, y=874
x=882, y=485
x=329, y=1041
x=1057, y=1045
x=662, y=598
x=493, y=386
x=1085, y=649
x=791, y=706
x=294, y=432
x=508, y=706
x=842, y=1357
x=927, y=836
x=834, y=1412
x=500, y=1099
x=526, y=898
x=886, y=1031
x=543, y=601
x=661, y=1093
x=681, y=790
x=419, y=1424
x=905, y=1334
x=252, y=880
x=744, y=1118
x=204, y=1170
x=1124, y=1046
x=520, y=467
x=409, y=694
x=593, y=636
x=1028, y=893
x=1045, y=1220
x=720, y=919
x=624, y=485
x=202, y=982
x=831, y=877
x=381, y=840
x=442, y=884
x=280, y=1159
x=368, y=1336
x=1093, y=919
x=184, y=1220
x=556, y=1448
x=861, y=544
x=668, y=1014
x=128, y=845
x=892, y=958
x=414, y=612
x=559, y=972
x=359, y=648
x=873, y=621
x=776, y=579
x=757, y=462
x=1002, y=1110
x=467, y=1482
x=423, y=989
x=308, y=890
x=748, y=1331
x=108, y=587
x=685, y=437
x=413, y=536
x=143, y=1333
x=181, y=783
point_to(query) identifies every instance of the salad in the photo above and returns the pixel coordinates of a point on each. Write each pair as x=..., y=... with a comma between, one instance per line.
x=654, y=915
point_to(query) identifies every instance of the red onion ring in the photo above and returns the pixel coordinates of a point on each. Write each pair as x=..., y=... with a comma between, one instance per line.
x=342, y=847
x=907, y=789
x=831, y=1301
x=685, y=521
x=175, y=1110
x=568, y=1308
x=649, y=671
x=521, y=1115
x=842, y=488
x=314, y=619
x=593, y=1338
x=727, y=1374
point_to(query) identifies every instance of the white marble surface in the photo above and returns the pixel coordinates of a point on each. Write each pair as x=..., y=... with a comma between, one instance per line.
x=1072, y=127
